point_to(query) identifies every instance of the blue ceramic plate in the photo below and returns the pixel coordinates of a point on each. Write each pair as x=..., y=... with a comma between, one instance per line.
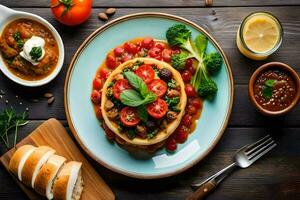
x=86, y=128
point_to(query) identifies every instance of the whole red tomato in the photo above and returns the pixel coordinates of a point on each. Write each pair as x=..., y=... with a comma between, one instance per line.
x=71, y=12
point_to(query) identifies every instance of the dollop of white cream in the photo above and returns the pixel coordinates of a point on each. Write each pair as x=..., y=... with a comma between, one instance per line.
x=34, y=41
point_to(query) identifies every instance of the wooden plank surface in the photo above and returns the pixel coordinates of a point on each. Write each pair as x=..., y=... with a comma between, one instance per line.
x=158, y=3
x=279, y=169
x=274, y=177
x=51, y=133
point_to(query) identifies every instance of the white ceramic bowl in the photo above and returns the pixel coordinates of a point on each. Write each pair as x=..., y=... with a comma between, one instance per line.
x=7, y=15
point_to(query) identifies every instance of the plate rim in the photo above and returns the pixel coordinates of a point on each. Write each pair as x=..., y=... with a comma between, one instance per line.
x=102, y=28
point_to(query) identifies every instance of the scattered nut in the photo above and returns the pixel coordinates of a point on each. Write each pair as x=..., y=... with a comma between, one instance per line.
x=50, y=100
x=48, y=95
x=21, y=103
x=215, y=19
x=103, y=16
x=110, y=11
x=6, y=101
x=27, y=109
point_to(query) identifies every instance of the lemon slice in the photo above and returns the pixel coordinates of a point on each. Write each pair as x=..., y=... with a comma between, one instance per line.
x=261, y=34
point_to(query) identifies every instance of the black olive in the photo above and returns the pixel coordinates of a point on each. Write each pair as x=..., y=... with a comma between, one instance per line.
x=150, y=124
x=165, y=74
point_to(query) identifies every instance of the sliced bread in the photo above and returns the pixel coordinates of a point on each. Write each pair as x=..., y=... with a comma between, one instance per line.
x=19, y=158
x=34, y=163
x=46, y=176
x=69, y=182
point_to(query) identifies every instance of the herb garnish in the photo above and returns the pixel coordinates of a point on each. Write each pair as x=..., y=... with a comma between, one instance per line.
x=138, y=97
x=267, y=89
x=36, y=53
x=9, y=119
x=17, y=37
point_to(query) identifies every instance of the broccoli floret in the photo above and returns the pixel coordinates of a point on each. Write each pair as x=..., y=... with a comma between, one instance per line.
x=206, y=87
x=179, y=35
x=213, y=62
x=178, y=60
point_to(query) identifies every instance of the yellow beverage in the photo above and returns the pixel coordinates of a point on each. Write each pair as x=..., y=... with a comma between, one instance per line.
x=259, y=35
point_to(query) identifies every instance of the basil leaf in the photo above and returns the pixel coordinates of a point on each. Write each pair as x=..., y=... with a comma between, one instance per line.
x=270, y=82
x=142, y=113
x=131, y=98
x=267, y=92
x=201, y=44
x=149, y=98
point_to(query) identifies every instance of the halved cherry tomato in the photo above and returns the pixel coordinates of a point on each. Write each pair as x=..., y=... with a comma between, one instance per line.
x=119, y=51
x=119, y=86
x=109, y=133
x=154, y=52
x=166, y=55
x=181, y=134
x=129, y=117
x=189, y=62
x=191, y=69
x=146, y=73
x=111, y=62
x=71, y=12
x=190, y=90
x=175, y=50
x=161, y=46
x=191, y=110
x=97, y=83
x=147, y=43
x=171, y=144
x=126, y=57
x=96, y=97
x=196, y=102
x=159, y=87
x=187, y=120
x=130, y=47
x=99, y=113
x=104, y=73
x=158, y=108
x=186, y=76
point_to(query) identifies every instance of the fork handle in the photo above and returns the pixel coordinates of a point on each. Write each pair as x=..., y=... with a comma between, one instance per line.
x=203, y=190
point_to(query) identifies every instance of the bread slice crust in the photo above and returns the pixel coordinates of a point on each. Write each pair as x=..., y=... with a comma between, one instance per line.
x=47, y=174
x=32, y=162
x=17, y=157
x=61, y=184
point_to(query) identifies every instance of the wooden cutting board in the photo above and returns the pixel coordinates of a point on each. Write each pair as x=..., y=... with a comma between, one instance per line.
x=53, y=134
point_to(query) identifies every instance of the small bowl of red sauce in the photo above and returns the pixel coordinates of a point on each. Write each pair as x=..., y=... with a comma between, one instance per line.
x=274, y=89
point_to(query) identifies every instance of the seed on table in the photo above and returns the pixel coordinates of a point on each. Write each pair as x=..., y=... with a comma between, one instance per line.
x=103, y=16
x=27, y=109
x=6, y=101
x=35, y=100
x=17, y=96
x=2, y=92
x=215, y=19
x=110, y=11
x=213, y=12
x=20, y=103
x=48, y=95
x=50, y=100
x=1, y=96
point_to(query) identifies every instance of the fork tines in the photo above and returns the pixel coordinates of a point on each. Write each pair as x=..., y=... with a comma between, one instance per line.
x=260, y=148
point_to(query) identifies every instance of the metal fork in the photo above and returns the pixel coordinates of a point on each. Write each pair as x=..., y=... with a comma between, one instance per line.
x=243, y=158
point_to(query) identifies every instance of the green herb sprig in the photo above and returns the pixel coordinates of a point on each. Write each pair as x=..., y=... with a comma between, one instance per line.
x=36, y=53
x=18, y=39
x=267, y=89
x=9, y=120
x=139, y=96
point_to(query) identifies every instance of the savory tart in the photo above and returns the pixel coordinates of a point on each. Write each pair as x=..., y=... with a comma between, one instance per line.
x=139, y=92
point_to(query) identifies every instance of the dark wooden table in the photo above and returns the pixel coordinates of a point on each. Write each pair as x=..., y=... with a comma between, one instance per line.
x=277, y=176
